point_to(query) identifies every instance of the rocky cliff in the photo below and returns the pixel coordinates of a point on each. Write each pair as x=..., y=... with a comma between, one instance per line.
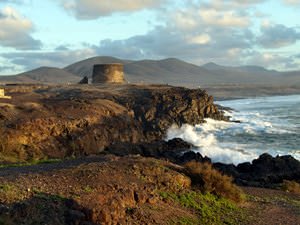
x=64, y=121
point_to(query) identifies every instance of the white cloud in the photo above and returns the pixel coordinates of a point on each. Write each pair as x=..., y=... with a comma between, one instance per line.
x=15, y=30
x=184, y=20
x=272, y=60
x=292, y=2
x=93, y=9
x=31, y=60
x=246, y=2
x=16, y=2
x=200, y=39
x=199, y=31
x=235, y=52
x=223, y=5
x=184, y=34
x=217, y=44
x=226, y=19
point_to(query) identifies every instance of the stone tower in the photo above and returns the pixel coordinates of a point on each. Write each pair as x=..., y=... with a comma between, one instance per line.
x=108, y=73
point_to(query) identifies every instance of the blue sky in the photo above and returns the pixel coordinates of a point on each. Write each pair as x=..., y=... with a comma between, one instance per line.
x=36, y=33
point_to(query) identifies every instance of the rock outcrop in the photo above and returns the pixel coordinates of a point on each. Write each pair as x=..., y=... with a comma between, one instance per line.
x=82, y=120
x=266, y=171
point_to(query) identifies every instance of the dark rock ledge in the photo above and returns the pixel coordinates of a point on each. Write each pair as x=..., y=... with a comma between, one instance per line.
x=266, y=171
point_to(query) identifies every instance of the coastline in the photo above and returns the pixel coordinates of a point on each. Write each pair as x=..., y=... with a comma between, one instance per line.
x=242, y=91
x=135, y=176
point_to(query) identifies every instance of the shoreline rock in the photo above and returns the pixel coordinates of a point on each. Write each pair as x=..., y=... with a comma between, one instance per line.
x=265, y=171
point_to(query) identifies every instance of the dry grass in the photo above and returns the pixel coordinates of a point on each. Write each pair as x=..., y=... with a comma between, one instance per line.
x=212, y=181
x=291, y=186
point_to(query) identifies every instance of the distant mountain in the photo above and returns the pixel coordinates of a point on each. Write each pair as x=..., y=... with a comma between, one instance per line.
x=172, y=71
x=149, y=71
x=213, y=66
x=252, y=74
x=85, y=67
x=249, y=68
x=43, y=75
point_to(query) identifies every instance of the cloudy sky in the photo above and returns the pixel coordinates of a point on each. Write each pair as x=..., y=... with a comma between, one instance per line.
x=36, y=33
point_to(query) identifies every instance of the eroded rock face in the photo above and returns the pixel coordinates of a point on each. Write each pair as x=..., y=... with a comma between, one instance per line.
x=156, y=110
x=83, y=120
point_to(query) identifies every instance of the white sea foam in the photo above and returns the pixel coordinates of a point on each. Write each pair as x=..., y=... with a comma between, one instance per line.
x=267, y=125
x=204, y=138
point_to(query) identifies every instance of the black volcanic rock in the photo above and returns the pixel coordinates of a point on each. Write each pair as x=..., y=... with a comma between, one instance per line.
x=192, y=156
x=175, y=150
x=266, y=171
x=170, y=150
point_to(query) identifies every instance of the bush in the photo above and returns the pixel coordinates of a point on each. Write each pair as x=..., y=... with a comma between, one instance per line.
x=291, y=186
x=212, y=181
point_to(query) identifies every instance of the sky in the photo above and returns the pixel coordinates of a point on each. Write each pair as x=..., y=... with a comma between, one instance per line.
x=56, y=33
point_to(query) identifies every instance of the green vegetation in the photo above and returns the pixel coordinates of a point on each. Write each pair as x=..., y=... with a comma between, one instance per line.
x=212, y=181
x=210, y=208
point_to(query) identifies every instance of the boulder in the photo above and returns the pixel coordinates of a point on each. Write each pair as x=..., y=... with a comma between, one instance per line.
x=266, y=171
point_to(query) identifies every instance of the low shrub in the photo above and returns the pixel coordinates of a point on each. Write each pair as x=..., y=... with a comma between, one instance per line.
x=210, y=180
x=291, y=186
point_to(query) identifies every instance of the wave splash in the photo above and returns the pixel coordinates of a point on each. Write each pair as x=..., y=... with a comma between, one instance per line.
x=269, y=125
x=205, y=139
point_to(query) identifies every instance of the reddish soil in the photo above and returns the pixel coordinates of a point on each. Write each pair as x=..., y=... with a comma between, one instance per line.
x=119, y=190
x=267, y=206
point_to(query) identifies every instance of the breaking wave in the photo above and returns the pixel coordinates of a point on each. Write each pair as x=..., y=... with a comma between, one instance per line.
x=269, y=124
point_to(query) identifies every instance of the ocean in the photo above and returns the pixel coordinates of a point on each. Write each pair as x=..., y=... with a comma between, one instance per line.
x=268, y=125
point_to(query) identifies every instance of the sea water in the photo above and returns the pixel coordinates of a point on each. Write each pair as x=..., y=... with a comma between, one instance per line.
x=268, y=125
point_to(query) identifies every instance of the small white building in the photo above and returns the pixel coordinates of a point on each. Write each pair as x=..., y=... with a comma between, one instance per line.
x=2, y=94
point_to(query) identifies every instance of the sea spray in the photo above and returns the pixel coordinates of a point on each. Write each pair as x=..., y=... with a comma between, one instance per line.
x=205, y=140
x=270, y=124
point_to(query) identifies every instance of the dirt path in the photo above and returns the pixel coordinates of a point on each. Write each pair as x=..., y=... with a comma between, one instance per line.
x=272, y=207
x=45, y=167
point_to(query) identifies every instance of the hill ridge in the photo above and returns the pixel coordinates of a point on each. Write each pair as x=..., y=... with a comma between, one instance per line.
x=169, y=70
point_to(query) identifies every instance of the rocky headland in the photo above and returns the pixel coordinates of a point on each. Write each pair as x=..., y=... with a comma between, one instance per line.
x=42, y=122
x=114, y=167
